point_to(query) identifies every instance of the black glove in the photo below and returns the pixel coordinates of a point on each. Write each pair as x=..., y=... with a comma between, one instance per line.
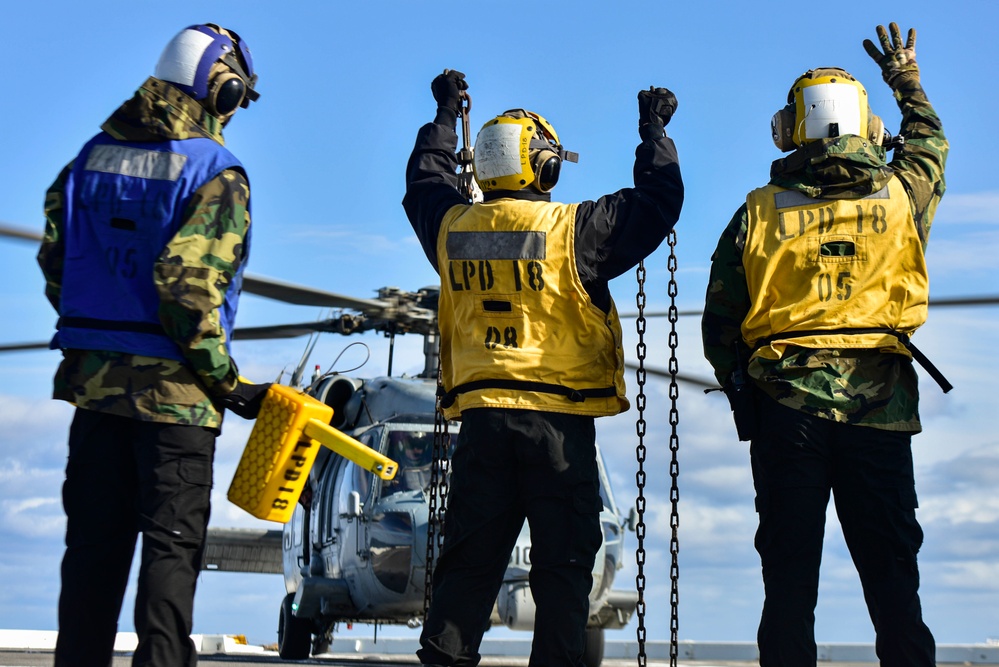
x=447, y=89
x=898, y=62
x=246, y=398
x=655, y=106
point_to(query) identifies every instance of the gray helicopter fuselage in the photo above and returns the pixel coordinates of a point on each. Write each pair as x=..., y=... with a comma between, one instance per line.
x=355, y=548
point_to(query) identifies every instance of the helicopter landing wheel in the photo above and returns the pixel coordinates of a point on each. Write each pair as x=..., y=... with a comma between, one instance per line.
x=322, y=642
x=294, y=634
x=593, y=652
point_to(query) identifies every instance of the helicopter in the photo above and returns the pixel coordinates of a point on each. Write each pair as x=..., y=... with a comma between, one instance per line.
x=355, y=548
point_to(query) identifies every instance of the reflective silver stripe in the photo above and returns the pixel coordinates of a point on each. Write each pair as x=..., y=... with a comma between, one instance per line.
x=138, y=162
x=880, y=194
x=794, y=198
x=496, y=245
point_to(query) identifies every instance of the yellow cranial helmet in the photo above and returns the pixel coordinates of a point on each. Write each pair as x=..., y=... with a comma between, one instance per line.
x=821, y=104
x=518, y=149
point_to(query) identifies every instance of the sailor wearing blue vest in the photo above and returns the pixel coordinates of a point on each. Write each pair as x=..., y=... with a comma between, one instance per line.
x=530, y=355
x=147, y=234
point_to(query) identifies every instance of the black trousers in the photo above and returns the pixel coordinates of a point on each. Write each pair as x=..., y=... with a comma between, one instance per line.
x=510, y=465
x=797, y=459
x=126, y=477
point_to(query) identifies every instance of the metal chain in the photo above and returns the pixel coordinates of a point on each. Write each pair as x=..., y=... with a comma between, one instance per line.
x=640, y=451
x=437, y=497
x=674, y=468
x=444, y=463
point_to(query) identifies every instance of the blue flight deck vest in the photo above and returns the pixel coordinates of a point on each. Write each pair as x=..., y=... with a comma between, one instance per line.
x=123, y=204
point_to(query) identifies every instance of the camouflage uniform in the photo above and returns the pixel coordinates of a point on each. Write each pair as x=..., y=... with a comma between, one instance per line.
x=191, y=277
x=142, y=441
x=834, y=421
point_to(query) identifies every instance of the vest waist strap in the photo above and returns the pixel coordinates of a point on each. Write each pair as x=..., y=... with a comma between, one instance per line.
x=110, y=325
x=574, y=395
x=921, y=358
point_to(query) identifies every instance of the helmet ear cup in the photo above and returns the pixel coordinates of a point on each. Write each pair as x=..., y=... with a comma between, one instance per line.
x=225, y=94
x=782, y=128
x=876, y=130
x=547, y=166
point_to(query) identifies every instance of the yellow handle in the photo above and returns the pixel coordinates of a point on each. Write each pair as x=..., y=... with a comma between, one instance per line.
x=351, y=449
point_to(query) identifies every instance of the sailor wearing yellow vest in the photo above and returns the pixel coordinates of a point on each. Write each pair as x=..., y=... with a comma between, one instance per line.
x=530, y=354
x=863, y=263
x=509, y=277
x=815, y=287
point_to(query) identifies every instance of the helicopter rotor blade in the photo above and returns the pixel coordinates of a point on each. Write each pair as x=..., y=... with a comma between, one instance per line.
x=21, y=233
x=345, y=324
x=662, y=313
x=21, y=347
x=983, y=300
x=240, y=334
x=688, y=379
x=259, y=285
x=276, y=331
x=309, y=296
x=395, y=311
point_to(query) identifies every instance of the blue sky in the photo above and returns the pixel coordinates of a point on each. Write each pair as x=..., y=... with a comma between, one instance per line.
x=344, y=88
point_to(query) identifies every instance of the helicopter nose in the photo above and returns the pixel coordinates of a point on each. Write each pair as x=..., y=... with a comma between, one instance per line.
x=391, y=549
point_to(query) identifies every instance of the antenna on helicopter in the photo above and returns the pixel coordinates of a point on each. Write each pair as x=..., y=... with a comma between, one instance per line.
x=296, y=377
x=390, y=333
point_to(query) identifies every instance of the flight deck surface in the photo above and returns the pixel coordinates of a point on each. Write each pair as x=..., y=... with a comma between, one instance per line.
x=19, y=648
x=44, y=658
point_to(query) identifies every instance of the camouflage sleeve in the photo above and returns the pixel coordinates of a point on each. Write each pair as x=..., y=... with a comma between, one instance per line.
x=727, y=301
x=195, y=271
x=920, y=162
x=50, y=255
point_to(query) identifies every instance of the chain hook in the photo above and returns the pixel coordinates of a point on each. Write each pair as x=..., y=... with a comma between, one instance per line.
x=465, y=176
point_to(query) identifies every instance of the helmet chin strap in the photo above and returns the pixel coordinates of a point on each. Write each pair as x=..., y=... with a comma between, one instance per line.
x=797, y=130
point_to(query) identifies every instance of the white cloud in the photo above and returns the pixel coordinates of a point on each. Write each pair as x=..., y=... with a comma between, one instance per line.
x=353, y=239
x=979, y=576
x=30, y=500
x=963, y=507
x=964, y=256
x=976, y=207
x=723, y=478
x=32, y=517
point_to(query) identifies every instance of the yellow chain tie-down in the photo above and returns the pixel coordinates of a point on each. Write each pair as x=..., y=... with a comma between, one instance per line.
x=282, y=448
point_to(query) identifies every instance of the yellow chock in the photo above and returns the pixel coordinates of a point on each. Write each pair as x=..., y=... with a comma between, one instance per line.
x=282, y=448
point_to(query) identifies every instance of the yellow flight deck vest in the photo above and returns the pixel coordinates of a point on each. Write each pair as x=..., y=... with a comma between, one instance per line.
x=832, y=265
x=518, y=329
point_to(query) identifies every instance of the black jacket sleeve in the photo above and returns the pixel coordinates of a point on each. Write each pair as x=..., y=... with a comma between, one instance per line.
x=617, y=231
x=613, y=233
x=432, y=184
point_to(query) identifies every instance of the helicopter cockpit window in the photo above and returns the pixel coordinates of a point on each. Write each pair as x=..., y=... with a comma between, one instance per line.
x=413, y=450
